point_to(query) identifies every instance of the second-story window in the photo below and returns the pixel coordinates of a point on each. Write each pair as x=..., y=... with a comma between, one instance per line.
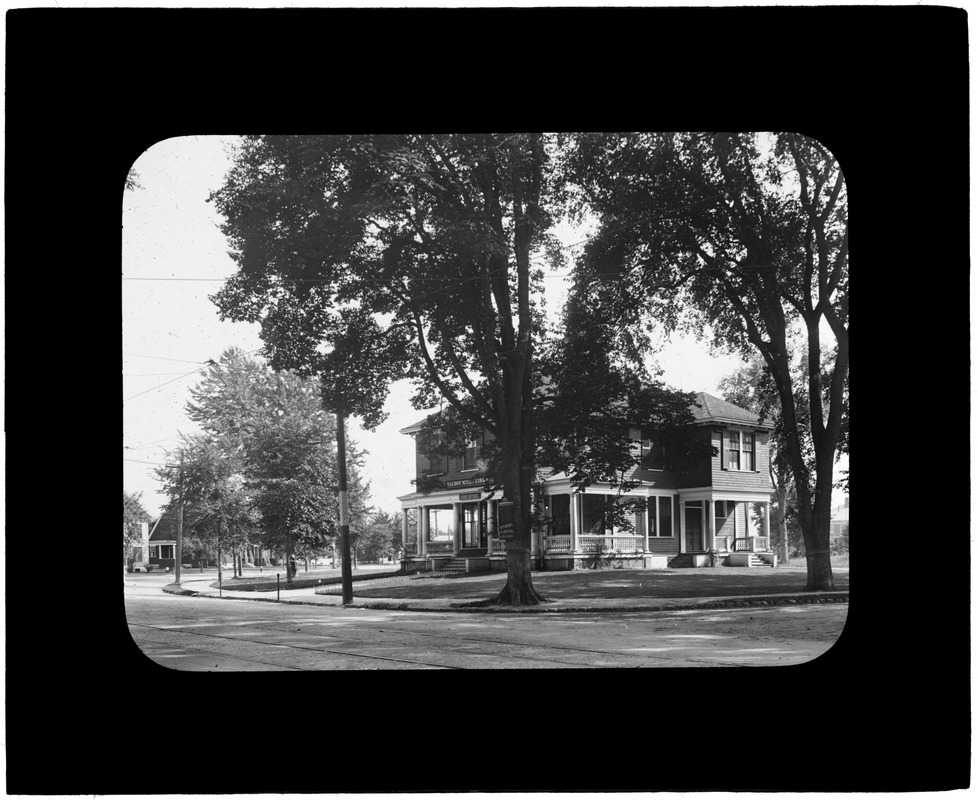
x=652, y=452
x=740, y=451
x=470, y=460
x=434, y=463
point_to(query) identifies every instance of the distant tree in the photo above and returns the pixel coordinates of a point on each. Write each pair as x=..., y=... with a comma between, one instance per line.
x=381, y=537
x=203, y=473
x=282, y=444
x=133, y=515
x=748, y=233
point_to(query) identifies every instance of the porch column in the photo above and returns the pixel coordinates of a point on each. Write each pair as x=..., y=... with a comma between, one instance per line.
x=490, y=524
x=767, y=521
x=575, y=521
x=645, y=540
x=548, y=525
x=682, y=526
x=404, y=530
x=709, y=529
x=422, y=530
x=457, y=536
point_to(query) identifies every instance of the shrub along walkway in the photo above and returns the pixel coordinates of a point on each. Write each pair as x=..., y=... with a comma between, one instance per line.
x=580, y=590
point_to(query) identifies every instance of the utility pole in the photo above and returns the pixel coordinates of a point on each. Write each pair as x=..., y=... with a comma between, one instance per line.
x=346, y=572
x=179, y=558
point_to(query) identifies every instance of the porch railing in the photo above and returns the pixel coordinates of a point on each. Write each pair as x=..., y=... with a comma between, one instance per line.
x=438, y=547
x=610, y=544
x=497, y=547
x=752, y=544
x=557, y=544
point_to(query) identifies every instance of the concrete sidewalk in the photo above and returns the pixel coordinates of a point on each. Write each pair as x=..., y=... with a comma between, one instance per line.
x=201, y=587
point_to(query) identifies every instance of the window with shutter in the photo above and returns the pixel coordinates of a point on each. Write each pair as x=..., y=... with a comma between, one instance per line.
x=747, y=451
x=733, y=450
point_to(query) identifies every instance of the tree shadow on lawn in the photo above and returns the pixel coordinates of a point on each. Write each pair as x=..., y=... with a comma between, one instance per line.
x=613, y=584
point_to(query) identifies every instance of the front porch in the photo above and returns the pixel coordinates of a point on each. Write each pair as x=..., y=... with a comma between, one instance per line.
x=692, y=528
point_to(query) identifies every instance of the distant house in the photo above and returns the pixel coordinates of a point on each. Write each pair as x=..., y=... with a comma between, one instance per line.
x=163, y=541
x=840, y=520
x=139, y=550
x=720, y=505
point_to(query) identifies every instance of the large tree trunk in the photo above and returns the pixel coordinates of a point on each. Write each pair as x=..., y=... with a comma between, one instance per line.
x=815, y=528
x=781, y=524
x=519, y=590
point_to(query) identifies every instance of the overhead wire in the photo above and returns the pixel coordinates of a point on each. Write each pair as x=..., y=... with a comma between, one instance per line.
x=206, y=365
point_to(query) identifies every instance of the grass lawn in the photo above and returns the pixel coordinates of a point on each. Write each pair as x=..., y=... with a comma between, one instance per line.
x=611, y=583
x=275, y=576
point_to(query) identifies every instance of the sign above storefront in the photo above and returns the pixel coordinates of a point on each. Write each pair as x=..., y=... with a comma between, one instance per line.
x=470, y=495
x=465, y=482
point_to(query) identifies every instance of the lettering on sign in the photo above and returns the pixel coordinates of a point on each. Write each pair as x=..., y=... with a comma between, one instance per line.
x=504, y=510
x=469, y=495
x=464, y=482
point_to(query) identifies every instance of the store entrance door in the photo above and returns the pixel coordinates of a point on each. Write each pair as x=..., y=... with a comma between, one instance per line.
x=474, y=525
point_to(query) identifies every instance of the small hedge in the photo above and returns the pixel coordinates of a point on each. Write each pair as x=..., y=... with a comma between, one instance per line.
x=271, y=585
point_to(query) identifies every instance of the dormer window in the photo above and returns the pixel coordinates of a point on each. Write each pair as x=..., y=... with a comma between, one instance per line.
x=739, y=454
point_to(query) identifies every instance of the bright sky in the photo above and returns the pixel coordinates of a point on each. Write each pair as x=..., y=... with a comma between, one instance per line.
x=174, y=257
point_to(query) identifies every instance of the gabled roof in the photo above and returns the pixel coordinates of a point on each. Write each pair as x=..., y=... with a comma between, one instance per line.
x=714, y=410
x=165, y=528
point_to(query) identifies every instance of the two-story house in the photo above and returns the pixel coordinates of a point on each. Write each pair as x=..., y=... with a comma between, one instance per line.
x=719, y=506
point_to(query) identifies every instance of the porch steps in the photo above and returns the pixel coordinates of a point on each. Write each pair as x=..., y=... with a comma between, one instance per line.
x=452, y=565
x=685, y=560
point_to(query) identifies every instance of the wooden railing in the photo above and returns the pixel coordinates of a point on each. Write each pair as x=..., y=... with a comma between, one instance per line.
x=752, y=544
x=557, y=544
x=497, y=546
x=439, y=547
x=611, y=544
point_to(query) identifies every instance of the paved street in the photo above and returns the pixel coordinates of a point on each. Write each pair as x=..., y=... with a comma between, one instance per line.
x=206, y=633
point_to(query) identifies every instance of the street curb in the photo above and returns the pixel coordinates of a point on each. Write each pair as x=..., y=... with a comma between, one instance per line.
x=696, y=605
x=174, y=589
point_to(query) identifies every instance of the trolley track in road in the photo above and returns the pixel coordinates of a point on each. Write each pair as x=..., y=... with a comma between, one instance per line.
x=271, y=625
x=272, y=665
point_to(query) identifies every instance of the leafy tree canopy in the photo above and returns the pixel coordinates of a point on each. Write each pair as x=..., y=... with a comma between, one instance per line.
x=749, y=233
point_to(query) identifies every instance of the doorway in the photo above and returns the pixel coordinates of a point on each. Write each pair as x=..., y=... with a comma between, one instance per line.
x=694, y=526
x=474, y=525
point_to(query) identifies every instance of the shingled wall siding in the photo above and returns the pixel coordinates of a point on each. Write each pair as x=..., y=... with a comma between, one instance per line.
x=454, y=468
x=657, y=544
x=700, y=475
x=737, y=479
x=708, y=474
